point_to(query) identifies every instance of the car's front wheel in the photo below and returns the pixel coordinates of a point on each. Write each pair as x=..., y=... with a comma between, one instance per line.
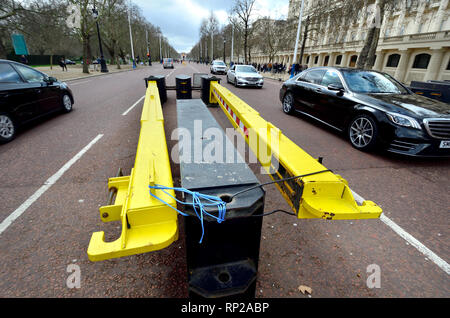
x=363, y=132
x=7, y=128
x=288, y=103
x=66, y=103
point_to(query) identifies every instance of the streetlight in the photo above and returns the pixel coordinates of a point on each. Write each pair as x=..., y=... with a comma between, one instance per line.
x=104, y=68
x=224, y=57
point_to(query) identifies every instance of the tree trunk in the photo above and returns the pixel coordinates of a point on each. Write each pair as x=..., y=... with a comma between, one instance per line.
x=305, y=36
x=367, y=55
x=85, y=55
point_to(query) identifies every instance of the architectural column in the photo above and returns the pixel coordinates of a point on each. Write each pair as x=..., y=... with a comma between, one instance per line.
x=311, y=61
x=419, y=15
x=332, y=59
x=401, y=19
x=402, y=66
x=434, y=66
x=321, y=59
x=379, y=61
x=439, y=16
x=345, y=59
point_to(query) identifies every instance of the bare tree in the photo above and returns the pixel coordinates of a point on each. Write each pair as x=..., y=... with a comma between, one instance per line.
x=243, y=11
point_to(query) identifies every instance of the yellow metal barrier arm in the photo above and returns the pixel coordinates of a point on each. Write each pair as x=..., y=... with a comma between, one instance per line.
x=324, y=195
x=147, y=224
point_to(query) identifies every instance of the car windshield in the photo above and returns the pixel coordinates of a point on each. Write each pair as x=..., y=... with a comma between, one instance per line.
x=369, y=82
x=219, y=63
x=246, y=69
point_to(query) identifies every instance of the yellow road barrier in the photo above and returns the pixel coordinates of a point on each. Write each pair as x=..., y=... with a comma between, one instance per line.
x=325, y=195
x=147, y=224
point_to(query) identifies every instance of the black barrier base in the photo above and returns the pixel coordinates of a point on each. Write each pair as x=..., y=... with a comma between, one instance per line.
x=206, y=88
x=161, y=83
x=225, y=264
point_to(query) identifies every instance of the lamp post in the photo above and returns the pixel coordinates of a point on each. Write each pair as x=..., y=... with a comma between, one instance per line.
x=224, y=56
x=104, y=68
x=294, y=61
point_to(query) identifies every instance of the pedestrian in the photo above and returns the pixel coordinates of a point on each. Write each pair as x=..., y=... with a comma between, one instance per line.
x=23, y=59
x=63, y=64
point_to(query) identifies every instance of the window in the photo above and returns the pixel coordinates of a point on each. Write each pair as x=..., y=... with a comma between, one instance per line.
x=393, y=60
x=338, y=60
x=30, y=75
x=369, y=82
x=448, y=65
x=316, y=59
x=353, y=60
x=246, y=69
x=421, y=61
x=307, y=59
x=314, y=76
x=327, y=59
x=8, y=74
x=332, y=77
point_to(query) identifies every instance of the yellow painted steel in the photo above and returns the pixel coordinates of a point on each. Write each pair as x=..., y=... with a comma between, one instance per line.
x=147, y=224
x=325, y=195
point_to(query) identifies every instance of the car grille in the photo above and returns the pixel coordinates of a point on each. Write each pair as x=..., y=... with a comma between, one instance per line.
x=438, y=128
x=252, y=79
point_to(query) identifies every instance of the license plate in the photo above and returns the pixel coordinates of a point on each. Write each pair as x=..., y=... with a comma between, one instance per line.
x=445, y=144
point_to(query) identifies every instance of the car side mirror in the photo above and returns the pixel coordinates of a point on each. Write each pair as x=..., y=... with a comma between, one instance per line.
x=50, y=80
x=336, y=88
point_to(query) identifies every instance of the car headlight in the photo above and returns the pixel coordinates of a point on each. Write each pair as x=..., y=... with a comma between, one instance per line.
x=403, y=120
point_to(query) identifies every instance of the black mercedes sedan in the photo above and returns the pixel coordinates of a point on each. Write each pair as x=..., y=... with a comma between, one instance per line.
x=372, y=109
x=27, y=94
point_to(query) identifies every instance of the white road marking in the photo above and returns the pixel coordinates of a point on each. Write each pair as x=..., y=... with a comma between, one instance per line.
x=410, y=239
x=134, y=105
x=170, y=73
x=47, y=185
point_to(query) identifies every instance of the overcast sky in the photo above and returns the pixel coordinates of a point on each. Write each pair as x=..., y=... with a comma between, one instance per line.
x=180, y=20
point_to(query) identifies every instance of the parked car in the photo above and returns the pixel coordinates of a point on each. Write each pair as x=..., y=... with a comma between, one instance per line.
x=372, y=108
x=27, y=94
x=168, y=63
x=69, y=62
x=218, y=67
x=244, y=75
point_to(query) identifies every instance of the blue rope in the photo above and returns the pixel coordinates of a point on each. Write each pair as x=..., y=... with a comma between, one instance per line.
x=197, y=204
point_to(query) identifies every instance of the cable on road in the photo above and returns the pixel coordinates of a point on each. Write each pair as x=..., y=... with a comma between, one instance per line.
x=201, y=201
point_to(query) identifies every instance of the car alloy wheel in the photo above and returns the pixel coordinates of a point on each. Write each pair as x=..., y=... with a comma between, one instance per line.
x=363, y=132
x=67, y=103
x=288, y=102
x=7, y=128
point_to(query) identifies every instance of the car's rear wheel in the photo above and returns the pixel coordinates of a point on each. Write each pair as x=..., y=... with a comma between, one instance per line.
x=363, y=132
x=66, y=103
x=288, y=103
x=7, y=128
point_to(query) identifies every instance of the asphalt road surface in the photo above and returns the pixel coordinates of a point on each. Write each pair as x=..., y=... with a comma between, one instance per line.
x=54, y=178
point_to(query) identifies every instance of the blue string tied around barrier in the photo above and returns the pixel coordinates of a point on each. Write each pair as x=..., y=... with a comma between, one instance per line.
x=199, y=202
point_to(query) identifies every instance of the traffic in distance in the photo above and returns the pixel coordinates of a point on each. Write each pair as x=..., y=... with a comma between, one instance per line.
x=371, y=108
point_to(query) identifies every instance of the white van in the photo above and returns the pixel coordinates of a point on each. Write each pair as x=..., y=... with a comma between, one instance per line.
x=168, y=63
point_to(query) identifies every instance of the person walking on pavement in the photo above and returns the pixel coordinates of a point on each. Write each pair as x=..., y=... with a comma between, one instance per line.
x=63, y=64
x=23, y=60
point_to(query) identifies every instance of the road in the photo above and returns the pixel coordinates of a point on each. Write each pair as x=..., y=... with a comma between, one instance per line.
x=54, y=178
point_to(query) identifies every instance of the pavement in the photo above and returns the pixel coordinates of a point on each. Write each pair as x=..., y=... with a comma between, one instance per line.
x=76, y=71
x=56, y=210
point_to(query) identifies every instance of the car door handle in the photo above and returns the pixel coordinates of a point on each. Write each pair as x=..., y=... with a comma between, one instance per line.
x=318, y=90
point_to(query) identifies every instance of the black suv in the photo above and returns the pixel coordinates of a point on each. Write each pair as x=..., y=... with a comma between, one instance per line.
x=372, y=108
x=27, y=94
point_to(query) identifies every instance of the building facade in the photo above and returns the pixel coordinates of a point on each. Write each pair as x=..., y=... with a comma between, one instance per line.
x=414, y=43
